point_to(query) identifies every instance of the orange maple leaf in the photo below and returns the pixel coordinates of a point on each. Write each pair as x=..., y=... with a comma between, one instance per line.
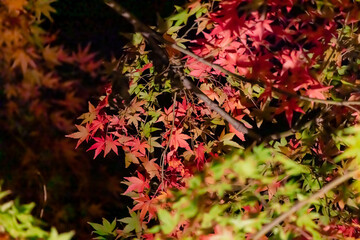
x=82, y=134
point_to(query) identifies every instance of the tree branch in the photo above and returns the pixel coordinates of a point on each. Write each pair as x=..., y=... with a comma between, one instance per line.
x=304, y=202
x=147, y=32
x=188, y=84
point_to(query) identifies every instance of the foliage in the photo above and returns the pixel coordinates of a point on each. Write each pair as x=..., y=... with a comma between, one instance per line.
x=44, y=85
x=297, y=64
x=17, y=222
x=291, y=56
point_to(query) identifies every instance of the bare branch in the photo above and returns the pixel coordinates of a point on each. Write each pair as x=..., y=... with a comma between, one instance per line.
x=304, y=202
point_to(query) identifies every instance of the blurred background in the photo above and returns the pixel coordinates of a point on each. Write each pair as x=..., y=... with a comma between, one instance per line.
x=37, y=163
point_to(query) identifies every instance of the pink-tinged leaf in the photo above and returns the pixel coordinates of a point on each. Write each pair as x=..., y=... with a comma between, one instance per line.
x=291, y=60
x=97, y=124
x=138, y=146
x=82, y=134
x=317, y=91
x=134, y=119
x=151, y=167
x=110, y=144
x=83, y=55
x=98, y=146
x=136, y=183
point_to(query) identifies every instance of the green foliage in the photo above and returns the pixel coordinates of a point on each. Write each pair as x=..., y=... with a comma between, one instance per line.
x=106, y=230
x=16, y=221
x=247, y=189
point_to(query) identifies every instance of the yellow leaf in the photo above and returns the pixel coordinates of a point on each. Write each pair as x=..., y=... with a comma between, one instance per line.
x=130, y=158
x=89, y=116
x=42, y=7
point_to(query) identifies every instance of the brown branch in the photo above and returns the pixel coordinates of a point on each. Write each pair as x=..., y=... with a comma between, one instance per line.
x=188, y=84
x=304, y=202
x=147, y=32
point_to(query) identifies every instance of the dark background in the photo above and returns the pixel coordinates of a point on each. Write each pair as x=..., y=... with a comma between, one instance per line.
x=79, y=189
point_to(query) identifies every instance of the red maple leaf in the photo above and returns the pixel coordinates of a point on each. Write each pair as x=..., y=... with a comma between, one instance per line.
x=200, y=155
x=289, y=106
x=138, y=146
x=110, y=144
x=146, y=205
x=136, y=183
x=98, y=146
x=178, y=140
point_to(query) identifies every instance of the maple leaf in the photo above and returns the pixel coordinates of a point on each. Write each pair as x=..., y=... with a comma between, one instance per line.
x=178, y=140
x=23, y=59
x=89, y=116
x=289, y=106
x=71, y=102
x=200, y=155
x=98, y=146
x=42, y=7
x=133, y=223
x=239, y=134
x=50, y=55
x=134, y=119
x=146, y=205
x=130, y=158
x=136, y=183
x=83, y=55
x=98, y=123
x=111, y=144
x=138, y=146
x=151, y=167
x=136, y=107
x=82, y=134
x=317, y=91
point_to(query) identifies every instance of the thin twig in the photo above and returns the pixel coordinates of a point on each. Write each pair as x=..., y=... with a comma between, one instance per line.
x=304, y=202
x=163, y=156
x=44, y=193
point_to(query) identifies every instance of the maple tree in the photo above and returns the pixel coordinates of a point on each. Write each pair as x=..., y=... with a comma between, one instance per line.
x=236, y=119
x=281, y=75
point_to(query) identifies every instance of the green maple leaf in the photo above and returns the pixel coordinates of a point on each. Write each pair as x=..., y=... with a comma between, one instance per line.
x=104, y=229
x=132, y=223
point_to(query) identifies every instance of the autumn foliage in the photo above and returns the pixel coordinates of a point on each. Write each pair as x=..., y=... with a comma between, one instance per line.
x=228, y=116
x=289, y=71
